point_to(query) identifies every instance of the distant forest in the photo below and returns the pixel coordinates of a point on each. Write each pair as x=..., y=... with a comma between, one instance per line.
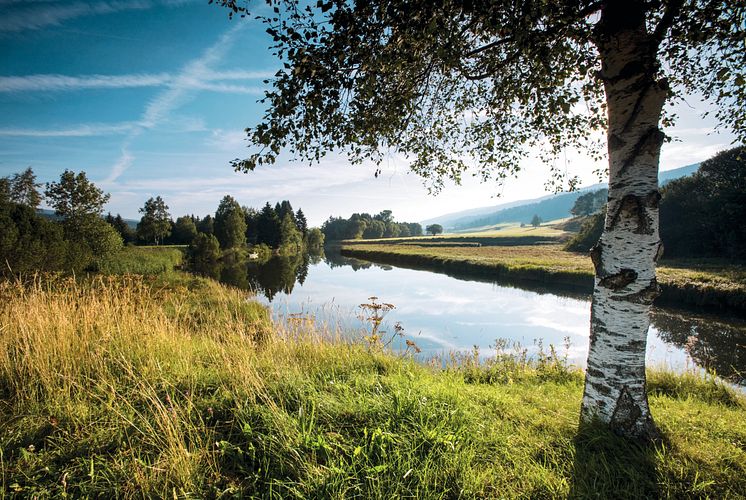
x=366, y=226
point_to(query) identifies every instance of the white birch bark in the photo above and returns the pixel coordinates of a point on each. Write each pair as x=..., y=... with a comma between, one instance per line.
x=625, y=256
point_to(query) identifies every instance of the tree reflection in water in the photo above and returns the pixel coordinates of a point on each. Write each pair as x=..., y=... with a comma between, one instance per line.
x=713, y=344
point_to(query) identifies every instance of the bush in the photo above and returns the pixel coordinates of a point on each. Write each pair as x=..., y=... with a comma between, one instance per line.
x=29, y=242
x=590, y=232
x=204, y=255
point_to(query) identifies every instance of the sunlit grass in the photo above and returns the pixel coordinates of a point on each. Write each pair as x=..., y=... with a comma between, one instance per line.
x=514, y=230
x=180, y=387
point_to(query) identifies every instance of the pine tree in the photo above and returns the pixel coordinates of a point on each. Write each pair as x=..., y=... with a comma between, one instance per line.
x=230, y=224
x=184, y=230
x=268, y=230
x=291, y=240
x=300, y=219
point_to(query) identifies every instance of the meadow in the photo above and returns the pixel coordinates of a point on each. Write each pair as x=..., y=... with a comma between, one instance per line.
x=173, y=385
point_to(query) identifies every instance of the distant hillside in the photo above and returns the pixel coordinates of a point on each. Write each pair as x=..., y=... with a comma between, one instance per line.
x=550, y=207
x=49, y=214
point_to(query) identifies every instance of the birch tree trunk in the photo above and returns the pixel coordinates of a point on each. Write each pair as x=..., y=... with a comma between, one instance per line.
x=625, y=256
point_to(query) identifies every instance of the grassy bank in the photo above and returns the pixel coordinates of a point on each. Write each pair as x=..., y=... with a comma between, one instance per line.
x=143, y=260
x=706, y=283
x=180, y=387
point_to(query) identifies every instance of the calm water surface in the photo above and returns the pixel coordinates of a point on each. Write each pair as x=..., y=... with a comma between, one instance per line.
x=444, y=314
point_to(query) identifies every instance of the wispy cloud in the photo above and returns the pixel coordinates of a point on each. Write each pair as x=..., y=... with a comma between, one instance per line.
x=35, y=83
x=42, y=15
x=86, y=130
x=21, y=16
x=205, y=80
x=178, y=124
x=124, y=162
x=178, y=92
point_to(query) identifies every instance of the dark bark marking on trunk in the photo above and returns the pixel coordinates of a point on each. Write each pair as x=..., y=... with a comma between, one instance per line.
x=597, y=327
x=602, y=388
x=634, y=206
x=636, y=111
x=645, y=296
x=632, y=346
x=653, y=137
x=626, y=413
x=619, y=280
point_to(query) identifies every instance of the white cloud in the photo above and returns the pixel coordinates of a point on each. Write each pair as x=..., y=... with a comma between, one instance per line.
x=35, y=83
x=176, y=124
x=227, y=140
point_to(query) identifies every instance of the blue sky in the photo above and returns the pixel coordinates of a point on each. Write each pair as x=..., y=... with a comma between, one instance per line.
x=150, y=97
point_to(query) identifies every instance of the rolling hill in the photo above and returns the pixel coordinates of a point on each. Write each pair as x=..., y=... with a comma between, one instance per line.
x=549, y=207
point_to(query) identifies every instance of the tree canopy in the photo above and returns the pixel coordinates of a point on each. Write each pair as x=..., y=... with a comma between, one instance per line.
x=589, y=203
x=367, y=226
x=24, y=189
x=453, y=84
x=434, y=229
x=230, y=224
x=155, y=224
x=705, y=214
x=75, y=196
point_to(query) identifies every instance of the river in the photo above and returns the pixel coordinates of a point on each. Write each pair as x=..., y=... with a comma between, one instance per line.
x=443, y=314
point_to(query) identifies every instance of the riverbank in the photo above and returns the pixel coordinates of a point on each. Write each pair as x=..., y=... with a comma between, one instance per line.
x=172, y=385
x=702, y=283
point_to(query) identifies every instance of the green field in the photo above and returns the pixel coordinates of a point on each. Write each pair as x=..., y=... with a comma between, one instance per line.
x=174, y=386
x=512, y=230
x=509, y=237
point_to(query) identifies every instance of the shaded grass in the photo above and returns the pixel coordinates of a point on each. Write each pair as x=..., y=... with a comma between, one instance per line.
x=173, y=387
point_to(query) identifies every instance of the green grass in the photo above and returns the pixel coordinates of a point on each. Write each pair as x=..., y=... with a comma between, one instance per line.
x=143, y=260
x=175, y=386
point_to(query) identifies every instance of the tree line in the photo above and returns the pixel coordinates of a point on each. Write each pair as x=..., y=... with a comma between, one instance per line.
x=78, y=234
x=366, y=226
x=237, y=232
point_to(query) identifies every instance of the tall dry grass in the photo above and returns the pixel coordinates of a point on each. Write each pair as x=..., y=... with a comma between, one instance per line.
x=127, y=356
